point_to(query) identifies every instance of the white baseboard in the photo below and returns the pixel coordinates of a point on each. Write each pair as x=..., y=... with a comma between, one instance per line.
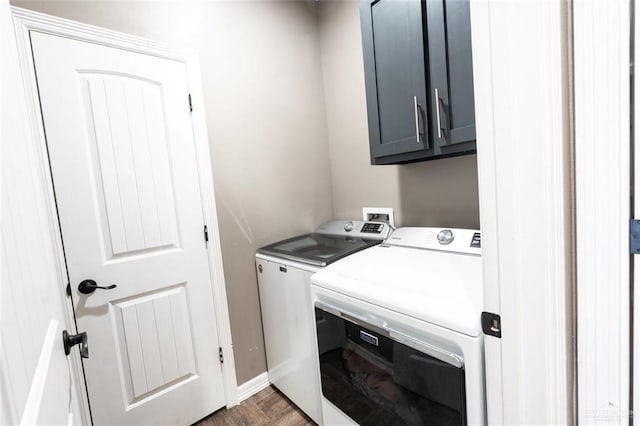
x=253, y=386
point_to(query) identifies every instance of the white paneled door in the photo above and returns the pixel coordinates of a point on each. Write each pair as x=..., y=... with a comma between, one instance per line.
x=123, y=160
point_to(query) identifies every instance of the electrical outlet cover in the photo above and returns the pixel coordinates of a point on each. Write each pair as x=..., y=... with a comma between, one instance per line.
x=378, y=214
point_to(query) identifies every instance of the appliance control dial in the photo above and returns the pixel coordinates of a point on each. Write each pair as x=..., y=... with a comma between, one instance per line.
x=445, y=236
x=348, y=226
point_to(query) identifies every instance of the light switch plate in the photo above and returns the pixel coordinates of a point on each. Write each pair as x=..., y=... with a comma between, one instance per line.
x=378, y=214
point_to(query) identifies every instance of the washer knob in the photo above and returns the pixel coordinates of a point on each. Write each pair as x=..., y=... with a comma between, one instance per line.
x=445, y=236
x=348, y=227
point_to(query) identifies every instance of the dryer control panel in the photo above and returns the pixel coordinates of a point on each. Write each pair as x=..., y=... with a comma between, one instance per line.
x=475, y=241
x=442, y=239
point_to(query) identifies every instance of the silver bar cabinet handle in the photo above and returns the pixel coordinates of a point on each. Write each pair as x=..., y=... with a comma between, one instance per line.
x=438, y=114
x=415, y=110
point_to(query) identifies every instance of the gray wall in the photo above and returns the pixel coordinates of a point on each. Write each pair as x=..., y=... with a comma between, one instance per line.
x=432, y=193
x=261, y=72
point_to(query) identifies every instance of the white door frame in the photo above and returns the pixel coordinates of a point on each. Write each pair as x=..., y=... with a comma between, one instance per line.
x=602, y=163
x=26, y=21
x=522, y=79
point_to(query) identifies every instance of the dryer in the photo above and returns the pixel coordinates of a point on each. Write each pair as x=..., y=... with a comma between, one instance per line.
x=398, y=331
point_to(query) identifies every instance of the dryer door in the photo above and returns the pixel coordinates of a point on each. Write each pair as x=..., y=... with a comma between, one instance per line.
x=374, y=379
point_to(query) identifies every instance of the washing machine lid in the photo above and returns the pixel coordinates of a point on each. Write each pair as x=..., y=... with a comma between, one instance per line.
x=441, y=287
x=317, y=249
x=332, y=240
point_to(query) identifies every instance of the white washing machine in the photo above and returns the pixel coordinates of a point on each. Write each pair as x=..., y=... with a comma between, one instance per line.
x=398, y=329
x=284, y=270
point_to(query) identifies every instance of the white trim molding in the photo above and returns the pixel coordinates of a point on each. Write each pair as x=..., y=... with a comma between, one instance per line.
x=602, y=156
x=635, y=361
x=214, y=247
x=26, y=21
x=522, y=103
x=253, y=386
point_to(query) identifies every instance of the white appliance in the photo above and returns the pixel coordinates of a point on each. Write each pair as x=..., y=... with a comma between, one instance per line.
x=284, y=271
x=399, y=334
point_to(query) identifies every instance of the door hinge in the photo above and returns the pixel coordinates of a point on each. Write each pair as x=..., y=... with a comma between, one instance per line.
x=190, y=104
x=491, y=324
x=634, y=236
x=68, y=289
x=206, y=234
x=220, y=356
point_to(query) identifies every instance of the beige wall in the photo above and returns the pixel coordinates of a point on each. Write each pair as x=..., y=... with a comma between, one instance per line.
x=432, y=193
x=264, y=100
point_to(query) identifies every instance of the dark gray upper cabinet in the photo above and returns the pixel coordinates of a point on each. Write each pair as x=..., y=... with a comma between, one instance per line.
x=396, y=88
x=419, y=79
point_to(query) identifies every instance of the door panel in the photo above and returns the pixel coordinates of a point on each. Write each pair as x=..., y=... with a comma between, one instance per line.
x=135, y=177
x=395, y=74
x=156, y=348
x=450, y=63
x=124, y=169
x=459, y=63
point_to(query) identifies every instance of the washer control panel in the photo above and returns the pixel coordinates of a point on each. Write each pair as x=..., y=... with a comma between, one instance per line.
x=372, y=228
x=356, y=229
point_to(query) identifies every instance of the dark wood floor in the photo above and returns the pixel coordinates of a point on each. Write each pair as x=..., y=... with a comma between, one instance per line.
x=267, y=407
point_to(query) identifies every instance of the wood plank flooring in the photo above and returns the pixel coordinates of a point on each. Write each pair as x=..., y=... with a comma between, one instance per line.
x=267, y=407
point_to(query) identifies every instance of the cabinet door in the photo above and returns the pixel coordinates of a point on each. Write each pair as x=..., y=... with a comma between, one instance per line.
x=451, y=74
x=393, y=46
